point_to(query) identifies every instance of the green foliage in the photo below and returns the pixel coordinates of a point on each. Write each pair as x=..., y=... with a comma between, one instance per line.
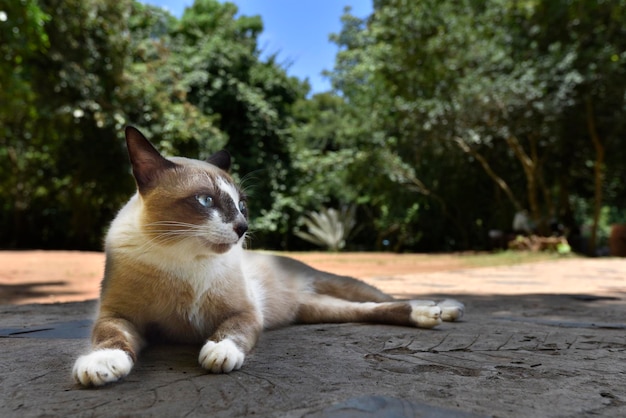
x=88, y=68
x=444, y=85
x=446, y=117
x=58, y=128
x=251, y=100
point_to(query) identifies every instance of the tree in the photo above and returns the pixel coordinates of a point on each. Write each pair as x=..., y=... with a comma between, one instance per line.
x=251, y=99
x=447, y=117
x=59, y=134
x=376, y=72
x=87, y=68
x=23, y=37
x=503, y=82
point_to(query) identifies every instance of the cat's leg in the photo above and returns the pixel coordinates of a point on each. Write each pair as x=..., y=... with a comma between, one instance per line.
x=226, y=349
x=315, y=308
x=355, y=290
x=348, y=288
x=115, y=346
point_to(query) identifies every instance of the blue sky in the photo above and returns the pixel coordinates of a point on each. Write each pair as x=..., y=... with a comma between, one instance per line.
x=297, y=29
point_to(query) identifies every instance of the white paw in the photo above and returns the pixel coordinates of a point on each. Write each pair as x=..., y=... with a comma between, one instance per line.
x=451, y=309
x=101, y=367
x=221, y=357
x=425, y=314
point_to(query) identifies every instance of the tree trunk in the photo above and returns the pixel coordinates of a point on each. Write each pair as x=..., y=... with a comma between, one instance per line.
x=497, y=179
x=416, y=185
x=598, y=174
x=529, y=165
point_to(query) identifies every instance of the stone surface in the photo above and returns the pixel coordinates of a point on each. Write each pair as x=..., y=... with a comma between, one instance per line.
x=555, y=354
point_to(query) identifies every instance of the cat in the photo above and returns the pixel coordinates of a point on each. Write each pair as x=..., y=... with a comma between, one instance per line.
x=176, y=270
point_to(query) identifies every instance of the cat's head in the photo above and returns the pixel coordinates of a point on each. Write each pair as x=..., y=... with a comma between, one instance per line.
x=185, y=200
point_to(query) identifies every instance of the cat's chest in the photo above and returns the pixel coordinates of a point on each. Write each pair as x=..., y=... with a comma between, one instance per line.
x=204, y=297
x=190, y=281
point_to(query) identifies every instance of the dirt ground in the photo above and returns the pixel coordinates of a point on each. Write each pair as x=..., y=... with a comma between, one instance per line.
x=73, y=276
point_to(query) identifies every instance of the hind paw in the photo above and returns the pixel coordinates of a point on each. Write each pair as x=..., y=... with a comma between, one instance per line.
x=451, y=310
x=425, y=314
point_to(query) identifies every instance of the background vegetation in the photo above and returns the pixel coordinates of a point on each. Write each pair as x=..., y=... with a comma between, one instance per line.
x=447, y=117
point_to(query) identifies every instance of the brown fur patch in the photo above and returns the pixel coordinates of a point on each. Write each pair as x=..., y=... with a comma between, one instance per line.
x=349, y=289
x=321, y=308
x=172, y=206
x=165, y=307
x=117, y=333
x=244, y=328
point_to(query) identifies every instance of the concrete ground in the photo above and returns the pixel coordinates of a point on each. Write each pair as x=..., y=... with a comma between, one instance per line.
x=542, y=340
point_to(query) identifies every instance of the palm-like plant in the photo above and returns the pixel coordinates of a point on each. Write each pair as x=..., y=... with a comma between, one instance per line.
x=329, y=227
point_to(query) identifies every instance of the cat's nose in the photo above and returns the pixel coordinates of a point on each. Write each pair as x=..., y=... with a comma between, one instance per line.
x=240, y=228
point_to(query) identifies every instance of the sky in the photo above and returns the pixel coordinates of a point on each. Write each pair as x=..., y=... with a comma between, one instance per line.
x=297, y=30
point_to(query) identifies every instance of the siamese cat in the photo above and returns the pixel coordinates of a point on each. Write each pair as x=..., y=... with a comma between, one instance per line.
x=176, y=270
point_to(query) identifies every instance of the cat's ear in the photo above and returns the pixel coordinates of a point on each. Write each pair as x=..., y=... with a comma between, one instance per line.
x=146, y=161
x=220, y=159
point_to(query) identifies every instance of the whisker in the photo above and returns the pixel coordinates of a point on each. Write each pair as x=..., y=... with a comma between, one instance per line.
x=244, y=182
x=174, y=223
x=247, y=242
x=162, y=239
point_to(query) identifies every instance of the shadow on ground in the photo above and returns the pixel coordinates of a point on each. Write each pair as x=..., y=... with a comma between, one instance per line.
x=15, y=293
x=525, y=355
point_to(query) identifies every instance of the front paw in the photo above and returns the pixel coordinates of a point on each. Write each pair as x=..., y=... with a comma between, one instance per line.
x=101, y=367
x=221, y=357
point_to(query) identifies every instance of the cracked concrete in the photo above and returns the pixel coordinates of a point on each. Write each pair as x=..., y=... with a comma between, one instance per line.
x=531, y=354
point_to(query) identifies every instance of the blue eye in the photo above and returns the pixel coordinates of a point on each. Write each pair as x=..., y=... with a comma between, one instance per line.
x=204, y=200
x=242, y=206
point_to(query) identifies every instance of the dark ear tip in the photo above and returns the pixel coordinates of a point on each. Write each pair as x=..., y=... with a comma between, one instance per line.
x=131, y=130
x=221, y=159
x=225, y=153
